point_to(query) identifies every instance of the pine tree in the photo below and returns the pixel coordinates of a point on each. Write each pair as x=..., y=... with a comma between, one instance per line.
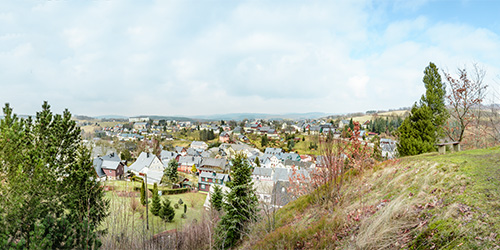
x=155, y=203
x=216, y=198
x=241, y=206
x=143, y=193
x=167, y=212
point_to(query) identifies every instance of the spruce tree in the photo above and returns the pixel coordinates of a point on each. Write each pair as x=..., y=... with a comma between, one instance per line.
x=434, y=97
x=417, y=133
x=143, y=193
x=171, y=171
x=155, y=203
x=167, y=212
x=216, y=198
x=240, y=207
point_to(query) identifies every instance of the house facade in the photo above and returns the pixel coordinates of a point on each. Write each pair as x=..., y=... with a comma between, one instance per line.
x=109, y=166
x=207, y=179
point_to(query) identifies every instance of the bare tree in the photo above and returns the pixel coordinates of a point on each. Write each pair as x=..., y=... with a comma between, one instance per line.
x=467, y=95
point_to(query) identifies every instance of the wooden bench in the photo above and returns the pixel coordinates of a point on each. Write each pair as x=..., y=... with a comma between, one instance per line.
x=442, y=146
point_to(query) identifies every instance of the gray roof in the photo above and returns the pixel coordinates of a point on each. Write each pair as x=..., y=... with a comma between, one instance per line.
x=263, y=171
x=178, y=149
x=168, y=155
x=284, y=174
x=289, y=156
x=192, y=152
x=199, y=144
x=281, y=174
x=214, y=175
x=298, y=164
x=110, y=164
x=273, y=151
x=144, y=160
x=110, y=161
x=189, y=160
x=213, y=162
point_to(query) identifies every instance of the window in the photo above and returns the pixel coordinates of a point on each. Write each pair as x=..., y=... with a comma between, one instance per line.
x=202, y=186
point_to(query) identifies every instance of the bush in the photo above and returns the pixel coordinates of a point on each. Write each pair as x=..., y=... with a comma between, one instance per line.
x=176, y=206
x=136, y=178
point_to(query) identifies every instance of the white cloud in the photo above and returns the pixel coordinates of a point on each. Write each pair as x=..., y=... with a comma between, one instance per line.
x=185, y=58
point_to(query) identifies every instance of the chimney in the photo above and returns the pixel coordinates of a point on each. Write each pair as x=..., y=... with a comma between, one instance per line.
x=147, y=155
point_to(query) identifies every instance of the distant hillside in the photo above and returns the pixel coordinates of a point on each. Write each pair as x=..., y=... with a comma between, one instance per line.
x=430, y=201
x=121, y=117
x=252, y=116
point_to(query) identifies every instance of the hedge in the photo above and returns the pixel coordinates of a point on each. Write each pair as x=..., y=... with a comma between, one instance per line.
x=166, y=191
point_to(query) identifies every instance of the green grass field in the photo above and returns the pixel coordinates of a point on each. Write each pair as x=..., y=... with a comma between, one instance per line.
x=430, y=201
x=127, y=217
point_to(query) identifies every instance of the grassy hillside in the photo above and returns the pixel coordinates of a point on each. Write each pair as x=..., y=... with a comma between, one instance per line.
x=425, y=202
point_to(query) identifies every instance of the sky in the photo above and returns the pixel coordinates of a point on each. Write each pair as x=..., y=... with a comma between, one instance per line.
x=110, y=57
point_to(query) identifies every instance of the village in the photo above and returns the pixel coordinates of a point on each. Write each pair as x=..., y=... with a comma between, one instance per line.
x=270, y=147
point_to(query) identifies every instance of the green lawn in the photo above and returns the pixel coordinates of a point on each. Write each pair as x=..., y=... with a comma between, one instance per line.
x=125, y=221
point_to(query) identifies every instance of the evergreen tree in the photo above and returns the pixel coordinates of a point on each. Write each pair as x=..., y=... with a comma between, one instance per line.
x=434, y=97
x=50, y=199
x=257, y=162
x=155, y=203
x=417, y=133
x=264, y=141
x=351, y=125
x=171, y=171
x=241, y=206
x=143, y=193
x=377, y=151
x=167, y=212
x=216, y=198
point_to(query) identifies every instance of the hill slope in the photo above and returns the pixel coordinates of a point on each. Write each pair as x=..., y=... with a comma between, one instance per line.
x=424, y=202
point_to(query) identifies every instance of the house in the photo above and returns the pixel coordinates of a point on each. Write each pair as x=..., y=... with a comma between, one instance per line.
x=224, y=137
x=199, y=145
x=141, y=125
x=109, y=166
x=166, y=156
x=271, y=161
x=289, y=156
x=237, y=130
x=181, y=150
x=388, y=147
x=243, y=138
x=213, y=165
x=193, y=152
x=343, y=123
x=298, y=164
x=263, y=183
x=150, y=165
x=273, y=151
x=187, y=162
x=145, y=162
x=315, y=130
x=206, y=179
